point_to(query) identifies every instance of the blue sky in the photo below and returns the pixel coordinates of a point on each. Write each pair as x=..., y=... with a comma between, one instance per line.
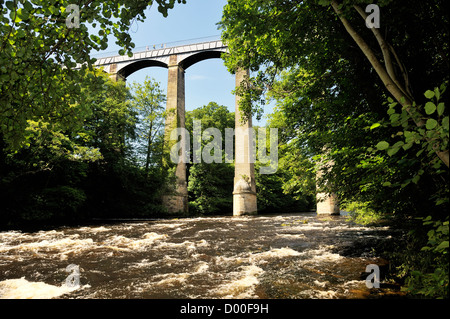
x=207, y=80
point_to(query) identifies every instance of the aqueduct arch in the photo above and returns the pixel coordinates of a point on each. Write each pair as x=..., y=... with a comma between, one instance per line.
x=177, y=59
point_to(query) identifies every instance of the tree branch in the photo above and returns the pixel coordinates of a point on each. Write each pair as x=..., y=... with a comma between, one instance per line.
x=404, y=100
x=382, y=73
x=384, y=46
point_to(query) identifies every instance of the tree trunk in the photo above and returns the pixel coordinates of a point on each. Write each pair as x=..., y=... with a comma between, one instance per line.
x=149, y=148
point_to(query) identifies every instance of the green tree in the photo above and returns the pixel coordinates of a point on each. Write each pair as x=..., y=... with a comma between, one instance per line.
x=357, y=92
x=210, y=185
x=282, y=35
x=39, y=81
x=148, y=101
x=41, y=182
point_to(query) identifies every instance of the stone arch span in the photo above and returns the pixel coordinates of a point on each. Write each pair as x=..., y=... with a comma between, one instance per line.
x=198, y=57
x=184, y=63
x=139, y=65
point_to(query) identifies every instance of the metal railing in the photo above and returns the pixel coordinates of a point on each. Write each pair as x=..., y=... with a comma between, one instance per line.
x=160, y=46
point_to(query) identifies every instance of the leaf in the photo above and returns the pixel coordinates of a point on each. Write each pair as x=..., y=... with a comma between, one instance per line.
x=440, y=109
x=431, y=124
x=445, y=123
x=394, y=117
x=375, y=126
x=406, y=183
x=392, y=151
x=429, y=94
x=52, y=10
x=398, y=144
x=430, y=107
x=390, y=111
x=407, y=146
x=437, y=93
x=442, y=245
x=382, y=145
x=28, y=6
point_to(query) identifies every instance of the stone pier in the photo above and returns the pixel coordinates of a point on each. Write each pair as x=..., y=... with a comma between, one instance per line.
x=244, y=193
x=327, y=203
x=175, y=118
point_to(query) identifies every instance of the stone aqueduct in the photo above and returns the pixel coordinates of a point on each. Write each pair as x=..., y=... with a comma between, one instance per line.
x=177, y=59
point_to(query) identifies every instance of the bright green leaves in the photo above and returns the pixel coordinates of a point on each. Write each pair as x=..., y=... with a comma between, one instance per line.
x=430, y=108
x=423, y=140
x=383, y=145
x=438, y=236
x=429, y=94
x=374, y=126
x=440, y=109
x=431, y=136
x=431, y=124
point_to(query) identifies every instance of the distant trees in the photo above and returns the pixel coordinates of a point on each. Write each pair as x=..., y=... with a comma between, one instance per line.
x=149, y=105
x=64, y=130
x=42, y=182
x=211, y=184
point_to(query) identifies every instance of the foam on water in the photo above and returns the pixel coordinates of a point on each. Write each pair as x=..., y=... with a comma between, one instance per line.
x=275, y=253
x=171, y=278
x=242, y=286
x=124, y=243
x=295, y=256
x=24, y=289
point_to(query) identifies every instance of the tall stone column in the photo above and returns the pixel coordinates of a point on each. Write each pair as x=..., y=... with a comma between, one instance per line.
x=327, y=203
x=175, y=108
x=244, y=193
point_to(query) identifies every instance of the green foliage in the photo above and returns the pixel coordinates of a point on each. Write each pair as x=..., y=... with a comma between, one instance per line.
x=210, y=185
x=429, y=277
x=432, y=134
x=42, y=183
x=211, y=188
x=39, y=84
x=149, y=104
x=65, y=127
x=419, y=142
x=361, y=213
x=333, y=101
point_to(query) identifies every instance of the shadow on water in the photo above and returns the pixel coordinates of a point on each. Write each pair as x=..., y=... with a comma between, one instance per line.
x=267, y=256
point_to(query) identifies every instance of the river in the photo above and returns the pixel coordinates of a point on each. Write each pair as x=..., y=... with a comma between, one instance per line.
x=280, y=256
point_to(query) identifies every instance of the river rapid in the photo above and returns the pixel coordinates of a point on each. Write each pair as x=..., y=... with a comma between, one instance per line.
x=280, y=256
